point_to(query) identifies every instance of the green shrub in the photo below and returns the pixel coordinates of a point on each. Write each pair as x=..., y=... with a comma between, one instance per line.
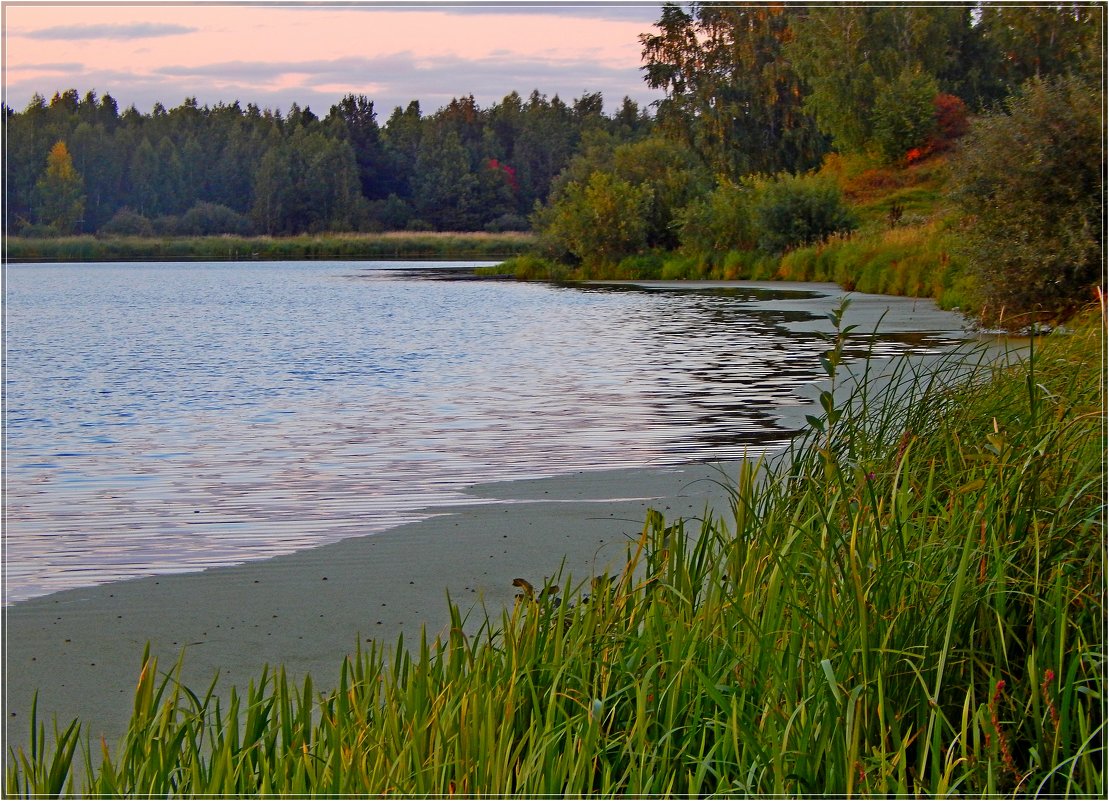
x=1031, y=179
x=677, y=267
x=529, y=267
x=206, y=219
x=721, y=221
x=642, y=266
x=599, y=222
x=127, y=222
x=799, y=210
x=904, y=115
x=748, y=264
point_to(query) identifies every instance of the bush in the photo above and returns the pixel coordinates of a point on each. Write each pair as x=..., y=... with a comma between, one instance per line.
x=127, y=222
x=800, y=210
x=601, y=221
x=904, y=116
x=38, y=231
x=527, y=267
x=166, y=225
x=751, y=265
x=682, y=268
x=1031, y=179
x=673, y=173
x=719, y=222
x=642, y=267
x=206, y=219
x=951, y=121
x=507, y=222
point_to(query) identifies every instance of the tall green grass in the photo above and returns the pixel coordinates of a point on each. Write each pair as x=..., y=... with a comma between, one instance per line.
x=913, y=260
x=909, y=602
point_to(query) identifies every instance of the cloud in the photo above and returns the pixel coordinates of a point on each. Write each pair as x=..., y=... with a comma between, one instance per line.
x=51, y=66
x=141, y=30
x=438, y=56
x=615, y=10
x=395, y=79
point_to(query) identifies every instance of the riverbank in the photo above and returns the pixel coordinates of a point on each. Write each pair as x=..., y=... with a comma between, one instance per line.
x=80, y=648
x=912, y=604
x=389, y=245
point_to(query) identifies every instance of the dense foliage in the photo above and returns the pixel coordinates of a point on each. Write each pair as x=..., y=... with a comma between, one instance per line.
x=731, y=92
x=1032, y=178
x=76, y=164
x=760, y=93
x=799, y=210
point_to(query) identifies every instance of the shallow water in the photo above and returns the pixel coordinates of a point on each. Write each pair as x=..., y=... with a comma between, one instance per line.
x=172, y=417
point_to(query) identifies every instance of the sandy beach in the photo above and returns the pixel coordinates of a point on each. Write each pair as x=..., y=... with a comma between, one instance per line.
x=81, y=648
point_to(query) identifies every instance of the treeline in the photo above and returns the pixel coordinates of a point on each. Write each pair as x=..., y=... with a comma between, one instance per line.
x=79, y=165
x=757, y=94
x=773, y=87
x=771, y=112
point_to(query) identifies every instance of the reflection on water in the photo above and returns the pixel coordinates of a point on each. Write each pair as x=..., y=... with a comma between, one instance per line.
x=164, y=418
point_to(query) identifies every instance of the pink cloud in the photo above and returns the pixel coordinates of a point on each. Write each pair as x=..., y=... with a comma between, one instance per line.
x=148, y=39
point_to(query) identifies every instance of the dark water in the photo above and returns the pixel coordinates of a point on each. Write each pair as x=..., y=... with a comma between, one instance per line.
x=163, y=418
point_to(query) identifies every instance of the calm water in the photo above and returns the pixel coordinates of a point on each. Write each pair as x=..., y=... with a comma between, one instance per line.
x=162, y=418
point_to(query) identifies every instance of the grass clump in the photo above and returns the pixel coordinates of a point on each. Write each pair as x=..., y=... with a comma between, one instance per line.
x=918, y=260
x=528, y=267
x=909, y=602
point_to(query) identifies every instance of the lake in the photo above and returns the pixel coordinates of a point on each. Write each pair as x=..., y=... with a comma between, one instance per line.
x=162, y=418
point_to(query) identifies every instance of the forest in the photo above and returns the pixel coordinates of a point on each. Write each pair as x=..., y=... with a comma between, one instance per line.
x=770, y=112
x=197, y=170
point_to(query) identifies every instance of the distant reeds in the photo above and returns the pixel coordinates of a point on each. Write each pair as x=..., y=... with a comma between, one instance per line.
x=388, y=245
x=910, y=602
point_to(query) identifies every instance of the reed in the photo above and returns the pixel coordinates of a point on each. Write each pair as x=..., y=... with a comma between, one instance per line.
x=908, y=602
x=916, y=259
x=389, y=245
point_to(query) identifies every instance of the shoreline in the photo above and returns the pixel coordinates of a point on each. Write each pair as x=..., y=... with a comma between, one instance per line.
x=383, y=246
x=81, y=648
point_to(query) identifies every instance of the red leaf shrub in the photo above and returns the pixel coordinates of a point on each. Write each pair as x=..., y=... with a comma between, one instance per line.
x=951, y=121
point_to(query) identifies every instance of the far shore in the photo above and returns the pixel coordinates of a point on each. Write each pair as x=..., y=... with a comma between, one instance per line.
x=80, y=649
x=399, y=245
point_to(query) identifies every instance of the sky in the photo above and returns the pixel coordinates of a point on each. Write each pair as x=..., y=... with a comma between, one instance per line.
x=313, y=53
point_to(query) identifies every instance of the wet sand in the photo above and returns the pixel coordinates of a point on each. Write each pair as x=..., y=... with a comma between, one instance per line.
x=81, y=648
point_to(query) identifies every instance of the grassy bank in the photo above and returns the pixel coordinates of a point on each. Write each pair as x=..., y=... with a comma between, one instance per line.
x=907, y=240
x=911, y=603
x=906, y=243
x=392, y=245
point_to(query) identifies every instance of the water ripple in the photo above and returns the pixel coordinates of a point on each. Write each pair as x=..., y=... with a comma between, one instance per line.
x=164, y=418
